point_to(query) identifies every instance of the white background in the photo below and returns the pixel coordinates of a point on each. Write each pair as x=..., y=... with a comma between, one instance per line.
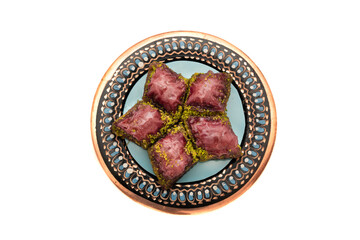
x=53, y=56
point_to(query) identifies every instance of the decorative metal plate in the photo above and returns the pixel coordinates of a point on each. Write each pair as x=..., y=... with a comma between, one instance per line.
x=251, y=112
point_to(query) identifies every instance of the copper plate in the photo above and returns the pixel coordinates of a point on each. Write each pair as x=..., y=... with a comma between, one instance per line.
x=256, y=105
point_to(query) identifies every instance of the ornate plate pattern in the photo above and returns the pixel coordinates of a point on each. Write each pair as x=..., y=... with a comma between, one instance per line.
x=214, y=191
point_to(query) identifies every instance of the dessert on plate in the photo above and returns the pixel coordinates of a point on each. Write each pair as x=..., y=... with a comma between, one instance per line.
x=165, y=89
x=213, y=137
x=180, y=121
x=208, y=92
x=142, y=124
x=172, y=156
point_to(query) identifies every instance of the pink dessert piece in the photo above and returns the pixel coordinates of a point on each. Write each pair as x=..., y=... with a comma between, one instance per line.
x=142, y=124
x=164, y=87
x=172, y=157
x=215, y=136
x=209, y=91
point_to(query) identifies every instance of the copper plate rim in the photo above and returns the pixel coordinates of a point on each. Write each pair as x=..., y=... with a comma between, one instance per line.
x=273, y=127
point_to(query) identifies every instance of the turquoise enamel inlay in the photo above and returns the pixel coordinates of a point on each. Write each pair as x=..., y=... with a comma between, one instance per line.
x=225, y=186
x=126, y=73
x=256, y=94
x=139, y=62
x=145, y=57
x=260, y=129
x=123, y=166
x=142, y=185
x=260, y=115
x=116, y=152
x=152, y=53
x=182, y=44
x=248, y=161
x=156, y=192
x=117, y=160
x=117, y=87
x=216, y=190
x=199, y=195
x=252, y=153
x=160, y=49
x=182, y=196
x=197, y=46
x=220, y=55
x=113, y=145
x=243, y=168
x=164, y=194
x=254, y=86
x=235, y=65
x=232, y=180
x=256, y=145
x=191, y=196
x=108, y=120
x=113, y=95
x=135, y=180
x=120, y=80
x=128, y=172
x=228, y=60
x=132, y=67
x=238, y=174
x=207, y=193
x=108, y=110
x=248, y=81
x=205, y=49
x=167, y=47
x=240, y=70
x=261, y=122
x=110, y=104
x=150, y=188
x=173, y=196
x=259, y=108
x=110, y=137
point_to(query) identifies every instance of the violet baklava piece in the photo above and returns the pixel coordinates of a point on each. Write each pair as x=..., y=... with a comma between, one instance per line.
x=142, y=124
x=172, y=156
x=208, y=92
x=165, y=89
x=213, y=136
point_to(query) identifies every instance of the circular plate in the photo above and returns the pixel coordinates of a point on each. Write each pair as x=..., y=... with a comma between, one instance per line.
x=208, y=185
